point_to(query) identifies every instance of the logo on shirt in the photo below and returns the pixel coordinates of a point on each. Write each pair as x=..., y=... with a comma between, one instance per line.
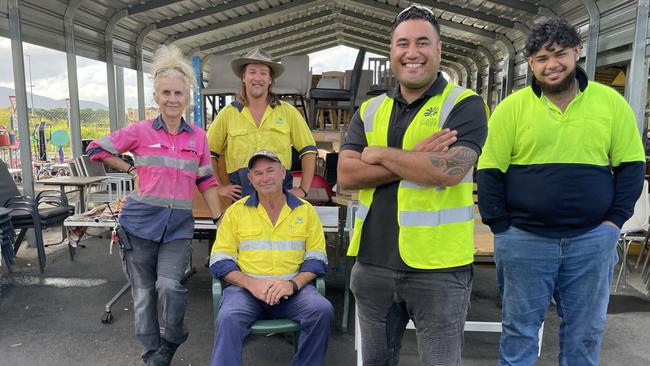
x=431, y=112
x=428, y=117
x=191, y=143
x=299, y=220
x=280, y=120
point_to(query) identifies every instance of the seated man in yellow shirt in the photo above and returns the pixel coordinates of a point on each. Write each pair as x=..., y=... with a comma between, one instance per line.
x=270, y=246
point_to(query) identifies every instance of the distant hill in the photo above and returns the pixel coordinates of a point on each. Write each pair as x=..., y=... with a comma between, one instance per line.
x=45, y=102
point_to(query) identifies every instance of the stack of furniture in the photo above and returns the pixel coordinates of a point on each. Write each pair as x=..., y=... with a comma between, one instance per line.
x=7, y=237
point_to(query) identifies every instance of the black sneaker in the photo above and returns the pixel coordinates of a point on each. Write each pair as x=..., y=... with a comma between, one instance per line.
x=164, y=355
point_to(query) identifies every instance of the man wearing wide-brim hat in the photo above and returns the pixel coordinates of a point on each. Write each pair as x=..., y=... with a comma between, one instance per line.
x=257, y=120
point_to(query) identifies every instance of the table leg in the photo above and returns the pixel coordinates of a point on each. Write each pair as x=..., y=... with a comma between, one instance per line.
x=82, y=199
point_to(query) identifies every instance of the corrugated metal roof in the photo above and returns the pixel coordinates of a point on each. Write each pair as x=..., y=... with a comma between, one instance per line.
x=300, y=26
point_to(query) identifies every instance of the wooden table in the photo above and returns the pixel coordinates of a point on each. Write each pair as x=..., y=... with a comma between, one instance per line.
x=81, y=182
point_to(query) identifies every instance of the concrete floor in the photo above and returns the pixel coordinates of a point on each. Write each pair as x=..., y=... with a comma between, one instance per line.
x=54, y=318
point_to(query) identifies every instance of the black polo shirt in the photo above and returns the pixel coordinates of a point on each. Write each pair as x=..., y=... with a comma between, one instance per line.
x=379, y=238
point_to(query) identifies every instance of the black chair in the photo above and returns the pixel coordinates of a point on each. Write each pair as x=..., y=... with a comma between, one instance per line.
x=7, y=238
x=26, y=214
x=337, y=95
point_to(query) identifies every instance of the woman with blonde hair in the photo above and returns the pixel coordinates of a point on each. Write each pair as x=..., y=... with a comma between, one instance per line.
x=156, y=225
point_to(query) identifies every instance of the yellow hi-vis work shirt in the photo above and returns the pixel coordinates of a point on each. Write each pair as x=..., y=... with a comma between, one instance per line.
x=262, y=250
x=234, y=134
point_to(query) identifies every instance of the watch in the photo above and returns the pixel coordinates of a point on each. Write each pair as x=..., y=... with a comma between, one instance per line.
x=294, y=285
x=216, y=219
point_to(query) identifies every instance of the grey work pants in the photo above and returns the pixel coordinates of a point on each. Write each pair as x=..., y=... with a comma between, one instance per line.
x=437, y=302
x=155, y=271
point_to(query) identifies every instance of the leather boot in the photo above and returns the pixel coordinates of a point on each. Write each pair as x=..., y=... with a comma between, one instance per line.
x=164, y=355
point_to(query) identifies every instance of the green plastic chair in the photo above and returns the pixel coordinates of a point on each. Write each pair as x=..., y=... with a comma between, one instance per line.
x=265, y=326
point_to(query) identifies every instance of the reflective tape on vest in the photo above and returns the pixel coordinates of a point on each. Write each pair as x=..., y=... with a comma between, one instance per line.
x=362, y=211
x=370, y=111
x=448, y=104
x=436, y=218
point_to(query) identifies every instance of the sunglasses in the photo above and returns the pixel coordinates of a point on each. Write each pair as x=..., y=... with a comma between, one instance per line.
x=419, y=7
x=160, y=71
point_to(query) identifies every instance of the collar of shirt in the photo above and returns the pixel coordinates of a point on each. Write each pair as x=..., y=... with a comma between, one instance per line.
x=292, y=201
x=581, y=75
x=158, y=123
x=436, y=88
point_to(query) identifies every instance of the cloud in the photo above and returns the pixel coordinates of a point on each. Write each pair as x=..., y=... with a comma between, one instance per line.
x=339, y=58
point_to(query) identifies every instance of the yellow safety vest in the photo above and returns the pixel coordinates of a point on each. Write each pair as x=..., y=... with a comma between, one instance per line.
x=436, y=224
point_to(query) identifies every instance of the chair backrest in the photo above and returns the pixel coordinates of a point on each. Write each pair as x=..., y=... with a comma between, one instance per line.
x=355, y=77
x=80, y=167
x=8, y=187
x=364, y=85
x=329, y=83
x=296, y=78
x=222, y=81
x=74, y=171
x=639, y=220
x=92, y=168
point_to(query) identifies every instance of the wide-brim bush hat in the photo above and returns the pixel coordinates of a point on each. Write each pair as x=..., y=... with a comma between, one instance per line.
x=256, y=56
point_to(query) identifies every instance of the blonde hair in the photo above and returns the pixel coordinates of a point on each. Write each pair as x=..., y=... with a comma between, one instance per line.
x=169, y=61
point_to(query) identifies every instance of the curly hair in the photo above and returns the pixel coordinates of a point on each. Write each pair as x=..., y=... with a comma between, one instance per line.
x=416, y=12
x=552, y=31
x=169, y=61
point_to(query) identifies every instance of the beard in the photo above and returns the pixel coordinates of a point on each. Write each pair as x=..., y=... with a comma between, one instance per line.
x=564, y=85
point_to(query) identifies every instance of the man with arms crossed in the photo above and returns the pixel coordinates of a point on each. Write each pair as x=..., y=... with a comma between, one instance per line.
x=413, y=233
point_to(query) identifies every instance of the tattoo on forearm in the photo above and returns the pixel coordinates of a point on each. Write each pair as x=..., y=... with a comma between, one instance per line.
x=455, y=162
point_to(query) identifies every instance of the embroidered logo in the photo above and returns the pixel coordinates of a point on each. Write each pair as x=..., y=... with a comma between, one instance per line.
x=428, y=117
x=431, y=112
x=191, y=143
x=299, y=220
x=280, y=120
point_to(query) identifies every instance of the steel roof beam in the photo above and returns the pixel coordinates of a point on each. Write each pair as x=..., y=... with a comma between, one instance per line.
x=233, y=21
x=149, y=5
x=275, y=38
x=319, y=46
x=394, y=10
x=529, y=8
x=279, y=26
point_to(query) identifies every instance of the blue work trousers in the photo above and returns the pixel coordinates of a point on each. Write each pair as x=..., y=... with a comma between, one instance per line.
x=155, y=271
x=238, y=309
x=576, y=272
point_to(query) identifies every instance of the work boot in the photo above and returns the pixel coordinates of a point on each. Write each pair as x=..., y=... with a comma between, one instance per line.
x=147, y=355
x=164, y=355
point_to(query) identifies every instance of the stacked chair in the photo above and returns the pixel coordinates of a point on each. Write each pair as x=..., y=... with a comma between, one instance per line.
x=49, y=209
x=7, y=237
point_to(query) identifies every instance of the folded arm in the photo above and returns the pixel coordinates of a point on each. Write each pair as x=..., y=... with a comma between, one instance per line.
x=426, y=168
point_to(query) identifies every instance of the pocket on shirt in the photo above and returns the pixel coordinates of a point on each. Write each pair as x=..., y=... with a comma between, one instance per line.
x=249, y=233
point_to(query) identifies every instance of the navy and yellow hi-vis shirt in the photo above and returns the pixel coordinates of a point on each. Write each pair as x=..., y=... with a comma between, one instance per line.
x=249, y=242
x=560, y=174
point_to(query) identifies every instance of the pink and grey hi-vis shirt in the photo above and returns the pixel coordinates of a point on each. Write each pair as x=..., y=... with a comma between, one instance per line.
x=169, y=167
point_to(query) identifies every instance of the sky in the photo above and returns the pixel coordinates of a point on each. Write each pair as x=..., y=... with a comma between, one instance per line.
x=49, y=72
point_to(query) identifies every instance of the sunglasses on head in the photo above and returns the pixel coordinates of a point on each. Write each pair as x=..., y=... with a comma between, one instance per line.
x=419, y=7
